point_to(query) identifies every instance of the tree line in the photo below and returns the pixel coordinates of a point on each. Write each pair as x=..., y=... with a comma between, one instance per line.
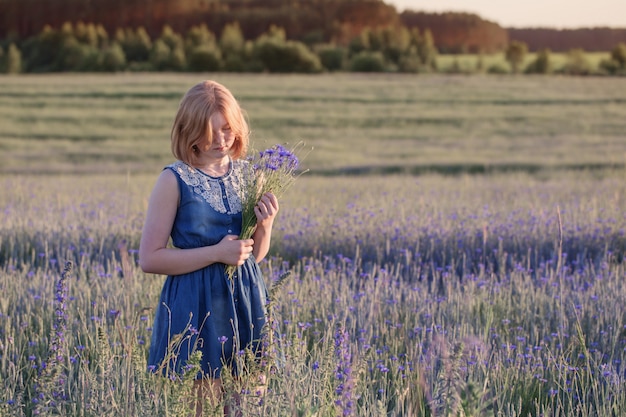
x=320, y=20
x=308, y=21
x=562, y=40
x=255, y=36
x=86, y=47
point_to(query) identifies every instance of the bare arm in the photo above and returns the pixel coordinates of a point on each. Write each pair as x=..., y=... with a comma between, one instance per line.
x=266, y=211
x=154, y=255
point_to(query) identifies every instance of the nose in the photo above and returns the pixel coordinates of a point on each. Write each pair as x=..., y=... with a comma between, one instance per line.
x=218, y=137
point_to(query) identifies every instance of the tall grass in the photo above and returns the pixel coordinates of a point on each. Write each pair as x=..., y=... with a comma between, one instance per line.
x=407, y=296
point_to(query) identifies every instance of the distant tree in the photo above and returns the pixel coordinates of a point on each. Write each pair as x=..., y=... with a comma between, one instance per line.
x=232, y=45
x=421, y=49
x=178, y=59
x=368, y=62
x=91, y=35
x=279, y=55
x=618, y=54
x=113, y=58
x=616, y=63
x=40, y=53
x=13, y=60
x=204, y=58
x=404, y=49
x=275, y=33
x=393, y=42
x=168, y=51
x=79, y=48
x=332, y=57
x=103, y=36
x=397, y=41
x=609, y=66
x=426, y=48
x=231, y=39
x=67, y=30
x=515, y=54
x=199, y=36
x=75, y=56
x=373, y=39
x=202, y=51
x=160, y=55
x=172, y=39
x=136, y=44
x=410, y=62
x=577, y=63
x=542, y=63
x=358, y=44
x=314, y=37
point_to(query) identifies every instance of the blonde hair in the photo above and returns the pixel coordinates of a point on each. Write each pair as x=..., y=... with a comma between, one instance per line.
x=191, y=125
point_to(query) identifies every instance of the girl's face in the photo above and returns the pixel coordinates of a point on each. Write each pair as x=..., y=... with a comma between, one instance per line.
x=223, y=138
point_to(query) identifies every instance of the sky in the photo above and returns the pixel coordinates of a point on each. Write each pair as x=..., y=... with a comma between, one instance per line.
x=560, y=14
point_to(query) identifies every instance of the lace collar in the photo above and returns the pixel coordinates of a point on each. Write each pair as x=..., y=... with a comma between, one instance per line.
x=222, y=193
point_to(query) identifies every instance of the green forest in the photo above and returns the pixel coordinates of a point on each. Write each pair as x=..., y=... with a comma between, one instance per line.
x=282, y=36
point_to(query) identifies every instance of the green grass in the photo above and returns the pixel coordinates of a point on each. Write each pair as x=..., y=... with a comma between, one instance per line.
x=388, y=123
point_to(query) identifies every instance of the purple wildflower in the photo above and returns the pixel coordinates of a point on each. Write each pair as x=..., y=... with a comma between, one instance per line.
x=278, y=158
x=343, y=373
x=53, y=374
x=273, y=170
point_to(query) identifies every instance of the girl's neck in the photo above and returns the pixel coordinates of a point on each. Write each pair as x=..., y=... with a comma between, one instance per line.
x=216, y=167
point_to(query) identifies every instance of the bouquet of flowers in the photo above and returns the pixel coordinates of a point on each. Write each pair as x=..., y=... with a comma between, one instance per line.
x=272, y=170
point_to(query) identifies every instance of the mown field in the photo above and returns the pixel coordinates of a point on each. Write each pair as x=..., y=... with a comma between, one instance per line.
x=474, y=266
x=83, y=123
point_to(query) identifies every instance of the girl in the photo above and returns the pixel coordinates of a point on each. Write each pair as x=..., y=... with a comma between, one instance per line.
x=197, y=202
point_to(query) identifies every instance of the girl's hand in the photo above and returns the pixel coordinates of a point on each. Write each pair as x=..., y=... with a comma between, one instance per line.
x=234, y=251
x=266, y=209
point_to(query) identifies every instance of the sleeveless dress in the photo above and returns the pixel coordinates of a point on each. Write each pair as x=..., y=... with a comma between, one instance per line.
x=205, y=310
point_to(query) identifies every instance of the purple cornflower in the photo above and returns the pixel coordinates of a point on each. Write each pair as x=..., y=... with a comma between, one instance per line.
x=60, y=313
x=273, y=170
x=343, y=373
x=277, y=158
x=53, y=374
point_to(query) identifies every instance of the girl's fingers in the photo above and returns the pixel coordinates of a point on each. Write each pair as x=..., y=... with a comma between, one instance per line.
x=267, y=207
x=260, y=211
x=270, y=202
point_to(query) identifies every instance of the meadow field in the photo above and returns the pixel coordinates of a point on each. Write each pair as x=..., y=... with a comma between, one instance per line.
x=456, y=248
x=356, y=122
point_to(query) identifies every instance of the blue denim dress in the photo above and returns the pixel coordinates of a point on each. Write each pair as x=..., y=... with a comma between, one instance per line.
x=205, y=310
